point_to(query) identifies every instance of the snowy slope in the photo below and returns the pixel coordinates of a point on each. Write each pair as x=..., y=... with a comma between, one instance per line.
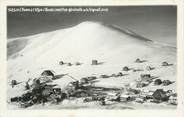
x=112, y=46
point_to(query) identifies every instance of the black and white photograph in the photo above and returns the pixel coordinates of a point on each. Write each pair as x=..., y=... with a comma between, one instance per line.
x=92, y=57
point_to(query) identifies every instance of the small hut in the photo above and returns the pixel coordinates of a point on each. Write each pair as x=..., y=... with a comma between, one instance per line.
x=83, y=80
x=158, y=82
x=137, y=70
x=104, y=76
x=47, y=73
x=173, y=100
x=160, y=95
x=90, y=78
x=120, y=74
x=165, y=63
x=149, y=68
x=138, y=60
x=145, y=76
x=94, y=62
x=13, y=83
x=61, y=63
x=77, y=63
x=166, y=82
x=113, y=75
x=140, y=85
x=126, y=68
x=69, y=64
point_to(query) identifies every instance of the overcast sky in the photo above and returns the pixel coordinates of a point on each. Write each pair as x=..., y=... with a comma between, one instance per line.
x=154, y=22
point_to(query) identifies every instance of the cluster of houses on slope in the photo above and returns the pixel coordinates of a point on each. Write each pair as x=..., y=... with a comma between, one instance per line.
x=41, y=90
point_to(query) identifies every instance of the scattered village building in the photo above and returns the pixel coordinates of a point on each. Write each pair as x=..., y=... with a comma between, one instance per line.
x=120, y=74
x=113, y=75
x=138, y=60
x=94, y=62
x=146, y=77
x=90, y=78
x=46, y=76
x=47, y=73
x=165, y=63
x=13, y=83
x=83, y=80
x=104, y=76
x=142, y=84
x=126, y=68
x=45, y=79
x=69, y=64
x=124, y=97
x=137, y=70
x=173, y=100
x=149, y=68
x=77, y=63
x=117, y=75
x=61, y=63
x=166, y=82
x=160, y=95
x=158, y=82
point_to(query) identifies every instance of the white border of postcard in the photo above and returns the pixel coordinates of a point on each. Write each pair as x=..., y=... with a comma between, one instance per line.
x=179, y=112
